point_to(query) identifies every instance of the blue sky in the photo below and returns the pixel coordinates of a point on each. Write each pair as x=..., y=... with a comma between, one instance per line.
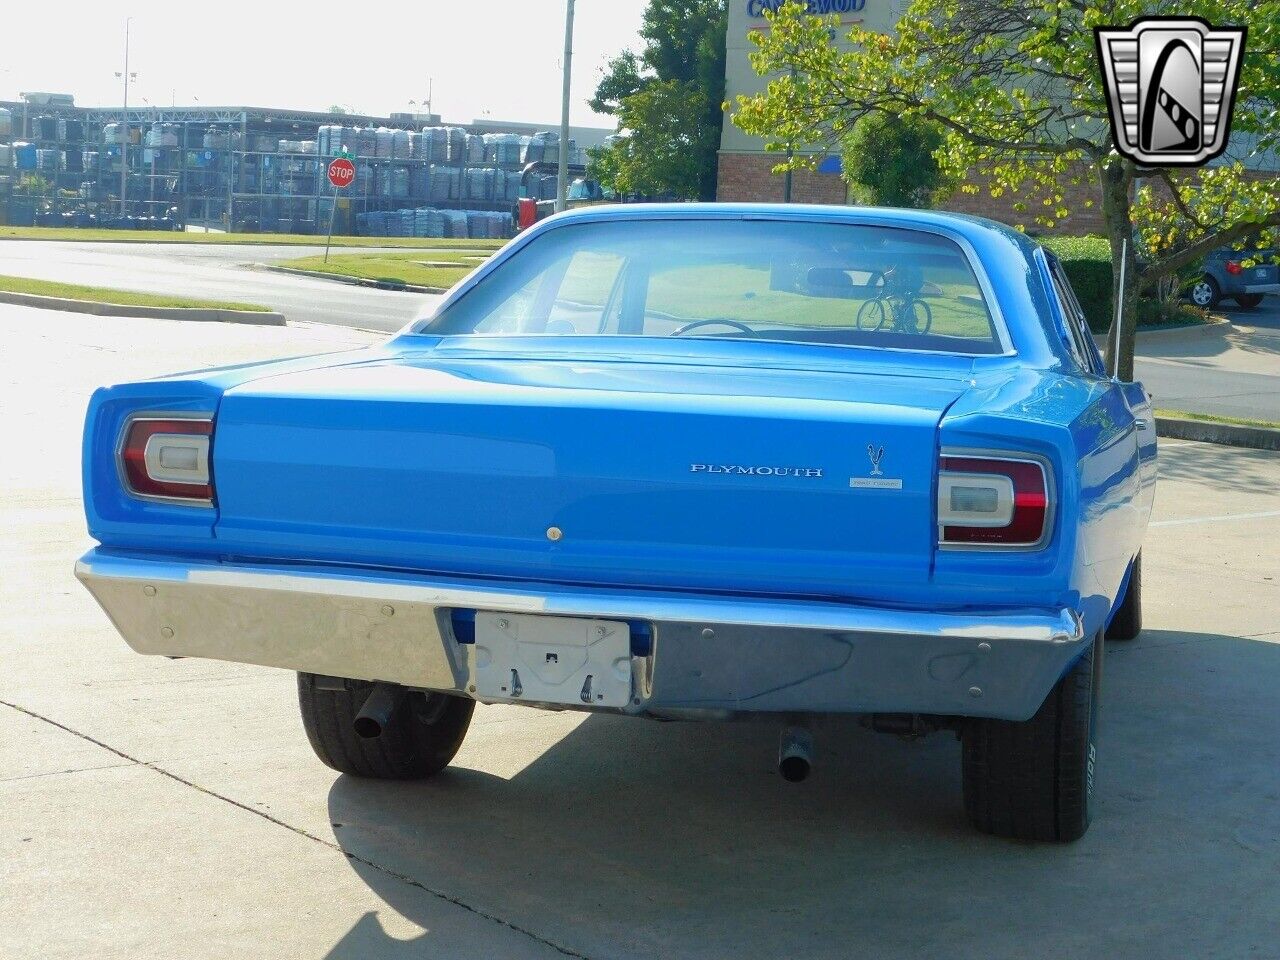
x=498, y=59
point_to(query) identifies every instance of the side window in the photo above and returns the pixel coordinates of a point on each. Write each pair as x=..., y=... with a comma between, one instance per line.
x=585, y=293
x=1079, y=337
x=567, y=298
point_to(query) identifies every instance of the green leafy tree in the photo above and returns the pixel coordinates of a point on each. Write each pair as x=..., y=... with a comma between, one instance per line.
x=666, y=144
x=890, y=160
x=667, y=99
x=1016, y=88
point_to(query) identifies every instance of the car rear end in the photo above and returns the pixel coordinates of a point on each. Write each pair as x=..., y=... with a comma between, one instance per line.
x=784, y=463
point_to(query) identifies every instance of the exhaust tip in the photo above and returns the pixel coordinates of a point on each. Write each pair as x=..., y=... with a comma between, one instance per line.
x=379, y=707
x=367, y=728
x=795, y=754
x=794, y=769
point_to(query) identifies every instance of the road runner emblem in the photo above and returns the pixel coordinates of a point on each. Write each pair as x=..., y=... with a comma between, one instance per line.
x=876, y=456
x=877, y=480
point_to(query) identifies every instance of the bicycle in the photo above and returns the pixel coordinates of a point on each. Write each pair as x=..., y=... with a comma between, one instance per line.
x=901, y=313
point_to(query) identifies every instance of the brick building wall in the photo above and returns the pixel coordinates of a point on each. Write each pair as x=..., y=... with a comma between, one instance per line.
x=748, y=177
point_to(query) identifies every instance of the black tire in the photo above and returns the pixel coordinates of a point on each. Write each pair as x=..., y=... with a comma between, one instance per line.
x=1033, y=780
x=1248, y=301
x=1206, y=293
x=1127, y=623
x=424, y=734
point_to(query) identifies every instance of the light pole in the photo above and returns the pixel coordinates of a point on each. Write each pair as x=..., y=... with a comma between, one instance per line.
x=562, y=182
x=124, y=127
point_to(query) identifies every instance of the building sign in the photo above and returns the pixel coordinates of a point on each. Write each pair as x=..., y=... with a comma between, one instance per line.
x=758, y=8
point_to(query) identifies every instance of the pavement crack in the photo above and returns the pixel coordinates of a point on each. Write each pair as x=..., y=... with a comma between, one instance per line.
x=60, y=773
x=388, y=871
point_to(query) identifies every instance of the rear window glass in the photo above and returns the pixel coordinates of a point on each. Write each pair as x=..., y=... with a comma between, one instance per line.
x=757, y=280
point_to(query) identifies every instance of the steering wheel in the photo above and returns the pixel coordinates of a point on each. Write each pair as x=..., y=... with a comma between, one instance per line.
x=709, y=322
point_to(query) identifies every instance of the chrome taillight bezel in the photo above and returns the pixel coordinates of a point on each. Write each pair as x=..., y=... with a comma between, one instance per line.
x=999, y=456
x=167, y=490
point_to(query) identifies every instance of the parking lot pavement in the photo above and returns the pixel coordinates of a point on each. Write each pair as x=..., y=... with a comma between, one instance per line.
x=173, y=808
x=1233, y=370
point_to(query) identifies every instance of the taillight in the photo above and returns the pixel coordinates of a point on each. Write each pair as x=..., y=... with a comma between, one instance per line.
x=1234, y=268
x=992, y=501
x=167, y=458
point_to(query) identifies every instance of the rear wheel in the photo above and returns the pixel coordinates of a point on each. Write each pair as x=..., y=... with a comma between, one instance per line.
x=423, y=735
x=1248, y=300
x=1127, y=623
x=1033, y=780
x=1206, y=293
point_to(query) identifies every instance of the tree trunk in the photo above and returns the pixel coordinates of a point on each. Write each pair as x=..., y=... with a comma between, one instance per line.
x=1117, y=178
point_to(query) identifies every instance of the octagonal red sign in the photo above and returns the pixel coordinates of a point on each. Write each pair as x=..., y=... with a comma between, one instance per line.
x=342, y=172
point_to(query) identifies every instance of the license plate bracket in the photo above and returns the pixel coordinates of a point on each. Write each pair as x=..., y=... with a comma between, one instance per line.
x=543, y=659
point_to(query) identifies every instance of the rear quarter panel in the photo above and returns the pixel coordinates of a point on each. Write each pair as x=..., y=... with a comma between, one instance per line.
x=1085, y=428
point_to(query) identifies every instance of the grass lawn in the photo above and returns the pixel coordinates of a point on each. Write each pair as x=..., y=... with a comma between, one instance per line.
x=290, y=239
x=436, y=268
x=128, y=298
x=1215, y=418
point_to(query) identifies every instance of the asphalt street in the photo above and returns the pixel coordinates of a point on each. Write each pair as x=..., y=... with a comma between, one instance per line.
x=155, y=807
x=213, y=271
x=1231, y=370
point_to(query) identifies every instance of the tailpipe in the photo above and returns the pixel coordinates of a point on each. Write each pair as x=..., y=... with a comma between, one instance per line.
x=795, y=754
x=383, y=701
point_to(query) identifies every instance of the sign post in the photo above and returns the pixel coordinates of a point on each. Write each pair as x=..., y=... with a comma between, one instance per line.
x=342, y=174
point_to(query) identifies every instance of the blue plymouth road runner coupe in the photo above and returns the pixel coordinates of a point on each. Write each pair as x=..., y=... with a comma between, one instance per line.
x=684, y=462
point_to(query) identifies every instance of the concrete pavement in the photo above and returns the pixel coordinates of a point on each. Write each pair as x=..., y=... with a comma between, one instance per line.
x=152, y=807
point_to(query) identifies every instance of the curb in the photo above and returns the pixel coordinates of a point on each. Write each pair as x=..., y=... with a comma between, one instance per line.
x=1188, y=331
x=395, y=285
x=1227, y=434
x=254, y=317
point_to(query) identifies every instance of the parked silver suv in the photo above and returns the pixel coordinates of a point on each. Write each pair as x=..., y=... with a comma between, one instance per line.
x=1243, y=275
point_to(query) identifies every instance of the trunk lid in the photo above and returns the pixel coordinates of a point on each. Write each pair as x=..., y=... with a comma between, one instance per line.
x=653, y=474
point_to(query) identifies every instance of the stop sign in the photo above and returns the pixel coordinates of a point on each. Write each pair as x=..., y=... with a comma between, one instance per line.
x=342, y=172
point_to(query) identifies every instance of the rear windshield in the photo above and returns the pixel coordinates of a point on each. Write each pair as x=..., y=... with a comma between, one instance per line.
x=746, y=280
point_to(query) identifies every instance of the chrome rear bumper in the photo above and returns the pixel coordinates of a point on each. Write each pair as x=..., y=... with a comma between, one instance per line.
x=709, y=655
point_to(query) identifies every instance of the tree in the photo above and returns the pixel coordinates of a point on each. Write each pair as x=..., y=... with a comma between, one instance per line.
x=667, y=99
x=665, y=146
x=890, y=160
x=1016, y=87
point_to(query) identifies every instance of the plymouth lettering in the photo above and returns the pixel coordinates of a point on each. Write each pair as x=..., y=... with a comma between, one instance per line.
x=755, y=471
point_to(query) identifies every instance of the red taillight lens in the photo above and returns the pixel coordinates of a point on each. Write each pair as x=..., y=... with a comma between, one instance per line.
x=992, y=501
x=1234, y=268
x=168, y=458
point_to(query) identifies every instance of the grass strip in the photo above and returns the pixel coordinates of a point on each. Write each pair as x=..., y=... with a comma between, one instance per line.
x=128, y=298
x=1217, y=418
x=438, y=268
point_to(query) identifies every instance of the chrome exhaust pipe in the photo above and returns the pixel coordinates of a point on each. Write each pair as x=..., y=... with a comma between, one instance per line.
x=795, y=754
x=383, y=701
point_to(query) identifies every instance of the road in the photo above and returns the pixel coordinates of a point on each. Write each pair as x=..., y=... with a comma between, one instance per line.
x=1232, y=371
x=155, y=807
x=213, y=271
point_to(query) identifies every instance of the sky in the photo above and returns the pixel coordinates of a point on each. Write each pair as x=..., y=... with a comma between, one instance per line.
x=497, y=59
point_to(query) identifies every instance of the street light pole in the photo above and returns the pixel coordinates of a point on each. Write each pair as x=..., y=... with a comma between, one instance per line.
x=124, y=127
x=562, y=185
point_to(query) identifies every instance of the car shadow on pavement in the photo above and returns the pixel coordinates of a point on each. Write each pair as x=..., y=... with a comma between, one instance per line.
x=637, y=839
